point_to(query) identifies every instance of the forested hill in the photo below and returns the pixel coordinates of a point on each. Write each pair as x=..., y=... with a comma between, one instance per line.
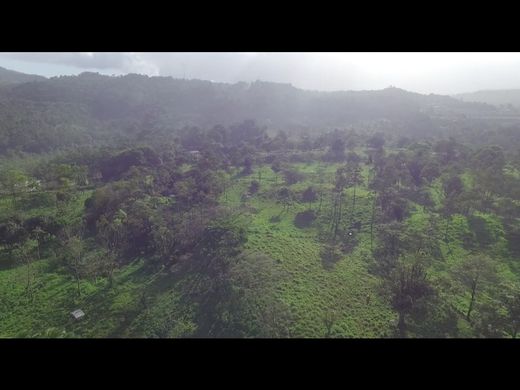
x=91, y=108
x=203, y=103
x=495, y=97
x=8, y=77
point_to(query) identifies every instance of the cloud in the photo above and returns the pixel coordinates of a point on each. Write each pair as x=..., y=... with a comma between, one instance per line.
x=122, y=62
x=421, y=72
x=307, y=70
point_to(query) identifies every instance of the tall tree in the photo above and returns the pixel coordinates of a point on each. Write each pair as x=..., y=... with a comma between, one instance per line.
x=75, y=251
x=25, y=253
x=410, y=288
x=474, y=272
x=354, y=179
x=309, y=195
x=14, y=181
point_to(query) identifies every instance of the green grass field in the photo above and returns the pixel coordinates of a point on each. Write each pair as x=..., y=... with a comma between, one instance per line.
x=141, y=304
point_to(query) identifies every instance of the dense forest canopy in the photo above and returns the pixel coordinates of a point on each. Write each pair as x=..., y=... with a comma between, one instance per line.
x=164, y=207
x=98, y=108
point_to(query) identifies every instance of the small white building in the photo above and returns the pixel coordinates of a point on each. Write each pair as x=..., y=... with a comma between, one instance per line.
x=77, y=314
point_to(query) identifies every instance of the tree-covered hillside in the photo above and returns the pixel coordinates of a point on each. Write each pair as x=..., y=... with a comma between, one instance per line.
x=505, y=97
x=97, y=108
x=10, y=77
x=182, y=208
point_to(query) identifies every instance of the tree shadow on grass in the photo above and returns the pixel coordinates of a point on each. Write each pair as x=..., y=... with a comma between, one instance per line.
x=304, y=219
x=330, y=254
x=275, y=218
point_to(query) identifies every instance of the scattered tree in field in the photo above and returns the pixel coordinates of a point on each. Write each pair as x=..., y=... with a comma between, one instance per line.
x=253, y=187
x=473, y=273
x=211, y=263
x=248, y=166
x=341, y=181
x=75, y=252
x=253, y=309
x=309, y=195
x=111, y=235
x=13, y=182
x=337, y=149
x=410, y=288
x=330, y=254
x=392, y=242
x=276, y=168
x=285, y=197
x=25, y=253
x=292, y=176
x=452, y=187
x=354, y=179
x=12, y=233
x=39, y=235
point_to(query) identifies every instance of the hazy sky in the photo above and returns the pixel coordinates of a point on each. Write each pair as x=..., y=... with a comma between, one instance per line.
x=442, y=73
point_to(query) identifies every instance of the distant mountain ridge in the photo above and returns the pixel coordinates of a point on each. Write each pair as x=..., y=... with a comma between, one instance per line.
x=495, y=97
x=204, y=103
x=43, y=114
x=8, y=77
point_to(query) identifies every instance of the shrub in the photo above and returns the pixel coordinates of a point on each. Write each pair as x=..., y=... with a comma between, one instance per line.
x=304, y=218
x=292, y=177
x=253, y=187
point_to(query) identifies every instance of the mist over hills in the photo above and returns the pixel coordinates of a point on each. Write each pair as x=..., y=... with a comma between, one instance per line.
x=9, y=77
x=42, y=114
x=495, y=97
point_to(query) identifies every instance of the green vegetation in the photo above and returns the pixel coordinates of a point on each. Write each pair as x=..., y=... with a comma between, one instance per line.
x=242, y=231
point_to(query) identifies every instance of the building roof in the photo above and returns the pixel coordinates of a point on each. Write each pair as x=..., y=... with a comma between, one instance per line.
x=77, y=313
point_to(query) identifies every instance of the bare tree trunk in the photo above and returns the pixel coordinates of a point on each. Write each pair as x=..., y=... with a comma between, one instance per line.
x=28, y=268
x=372, y=223
x=110, y=278
x=13, y=199
x=329, y=328
x=353, y=205
x=402, y=325
x=79, y=289
x=473, y=290
x=38, y=247
x=333, y=210
x=338, y=221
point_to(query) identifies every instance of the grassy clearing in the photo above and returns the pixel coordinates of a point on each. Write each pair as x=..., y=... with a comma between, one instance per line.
x=141, y=304
x=311, y=289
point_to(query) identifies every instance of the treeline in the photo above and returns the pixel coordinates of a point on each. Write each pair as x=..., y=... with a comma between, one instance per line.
x=92, y=109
